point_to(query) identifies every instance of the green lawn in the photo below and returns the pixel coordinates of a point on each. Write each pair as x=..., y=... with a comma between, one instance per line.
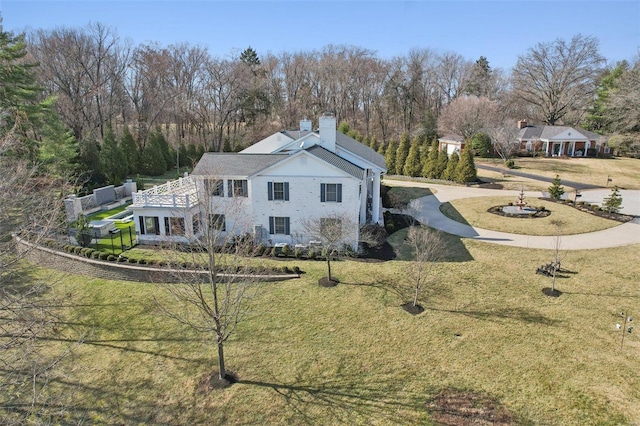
x=106, y=213
x=351, y=355
x=473, y=211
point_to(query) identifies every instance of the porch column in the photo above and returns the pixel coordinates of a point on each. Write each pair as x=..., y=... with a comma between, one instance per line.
x=364, y=192
x=375, y=213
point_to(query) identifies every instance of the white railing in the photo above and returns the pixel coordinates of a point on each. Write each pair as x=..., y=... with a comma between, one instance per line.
x=180, y=193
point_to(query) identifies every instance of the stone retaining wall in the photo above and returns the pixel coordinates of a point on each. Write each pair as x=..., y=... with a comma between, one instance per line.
x=118, y=271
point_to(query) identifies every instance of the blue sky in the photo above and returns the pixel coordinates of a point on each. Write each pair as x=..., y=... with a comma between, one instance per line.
x=499, y=30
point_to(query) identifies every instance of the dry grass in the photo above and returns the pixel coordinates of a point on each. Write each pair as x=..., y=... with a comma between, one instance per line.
x=351, y=355
x=473, y=211
x=624, y=172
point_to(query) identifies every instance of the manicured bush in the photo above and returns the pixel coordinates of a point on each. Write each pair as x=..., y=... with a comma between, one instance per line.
x=104, y=255
x=112, y=258
x=510, y=164
x=132, y=260
x=297, y=252
x=296, y=269
x=95, y=255
x=122, y=259
x=542, y=208
x=312, y=254
x=142, y=261
x=284, y=251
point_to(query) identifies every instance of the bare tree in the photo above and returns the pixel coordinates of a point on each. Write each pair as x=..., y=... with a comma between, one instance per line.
x=30, y=210
x=467, y=115
x=623, y=104
x=558, y=78
x=215, y=296
x=503, y=140
x=337, y=233
x=428, y=247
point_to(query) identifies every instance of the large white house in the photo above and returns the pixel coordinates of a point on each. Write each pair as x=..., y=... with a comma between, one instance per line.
x=269, y=190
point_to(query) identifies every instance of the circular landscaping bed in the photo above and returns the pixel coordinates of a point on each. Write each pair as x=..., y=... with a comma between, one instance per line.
x=475, y=212
x=528, y=212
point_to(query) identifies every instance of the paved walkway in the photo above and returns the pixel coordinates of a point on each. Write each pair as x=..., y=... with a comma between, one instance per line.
x=427, y=210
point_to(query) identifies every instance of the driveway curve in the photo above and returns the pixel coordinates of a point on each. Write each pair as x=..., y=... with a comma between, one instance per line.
x=427, y=210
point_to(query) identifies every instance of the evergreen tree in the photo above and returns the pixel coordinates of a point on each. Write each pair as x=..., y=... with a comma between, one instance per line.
x=441, y=164
x=382, y=149
x=183, y=155
x=112, y=159
x=89, y=162
x=23, y=112
x=402, y=153
x=430, y=126
x=344, y=128
x=413, y=165
x=373, y=143
x=452, y=165
x=192, y=153
x=58, y=152
x=481, y=144
x=152, y=161
x=390, y=157
x=160, y=144
x=466, y=168
x=556, y=189
x=429, y=161
x=613, y=202
x=227, y=145
x=130, y=151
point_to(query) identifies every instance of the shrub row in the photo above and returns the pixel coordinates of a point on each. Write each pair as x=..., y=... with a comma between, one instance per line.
x=100, y=255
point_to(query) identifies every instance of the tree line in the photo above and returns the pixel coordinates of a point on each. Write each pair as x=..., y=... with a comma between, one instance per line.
x=198, y=102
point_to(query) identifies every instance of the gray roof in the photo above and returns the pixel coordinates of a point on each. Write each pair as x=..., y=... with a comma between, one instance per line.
x=452, y=138
x=336, y=161
x=360, y=150
x=549, y=132
x=295, y=134
x=232, y=164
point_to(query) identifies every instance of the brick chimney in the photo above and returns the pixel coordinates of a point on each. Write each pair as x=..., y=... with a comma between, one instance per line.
x=522, y=124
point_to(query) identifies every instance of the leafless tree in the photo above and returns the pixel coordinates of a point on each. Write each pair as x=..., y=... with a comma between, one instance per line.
x=467, y=115
x=215, y=297
x=503, y=139
x=428, y=247
x=623, y=104
x=30, y=209
x=558, y=78
x=337, y=232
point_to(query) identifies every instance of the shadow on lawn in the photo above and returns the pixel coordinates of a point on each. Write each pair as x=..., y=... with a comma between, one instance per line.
x=346, y=400
x=518, y=314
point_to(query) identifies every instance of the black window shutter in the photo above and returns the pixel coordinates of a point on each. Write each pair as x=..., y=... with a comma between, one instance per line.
x=230, y=187
x=167, y=231
x=339, y=193
x=270, y=190
x=271, y=224
x=286, y=191
x=286, y=226
x=141, y=220
x=323, y=197
x=156, y=222
x=245, y=191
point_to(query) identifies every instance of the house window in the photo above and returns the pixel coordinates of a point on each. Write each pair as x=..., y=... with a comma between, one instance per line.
x=149, y=225
x=217, y=222
x=214, y=187
x=278, y=190
x=331, y=192
x=237, y=188
x=174, y=226
x=279, y=225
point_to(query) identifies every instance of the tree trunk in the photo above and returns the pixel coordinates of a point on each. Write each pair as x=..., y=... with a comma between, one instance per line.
x=329, y=268
x=415, y=296
x=223, y=371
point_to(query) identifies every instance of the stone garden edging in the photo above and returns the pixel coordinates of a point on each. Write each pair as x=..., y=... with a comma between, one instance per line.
x=110, y=270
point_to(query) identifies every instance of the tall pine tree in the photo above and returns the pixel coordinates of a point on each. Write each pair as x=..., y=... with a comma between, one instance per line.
x=413, y=163
x=429, y=161
x=130, y=151
x=402, y=153
x=441, y=164
x=112, y=159
x=452, y=165
x=390, y=157
x=466, y=168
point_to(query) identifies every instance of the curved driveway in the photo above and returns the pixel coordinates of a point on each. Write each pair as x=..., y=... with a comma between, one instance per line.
x=427, y=211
